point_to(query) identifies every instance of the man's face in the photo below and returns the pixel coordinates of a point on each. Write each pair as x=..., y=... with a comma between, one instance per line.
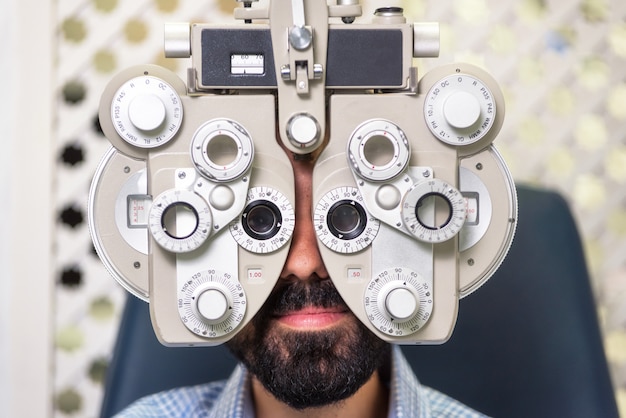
x=305, y=346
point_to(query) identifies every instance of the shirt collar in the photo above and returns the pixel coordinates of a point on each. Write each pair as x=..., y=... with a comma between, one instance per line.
x=235, y=400
x=407, y=398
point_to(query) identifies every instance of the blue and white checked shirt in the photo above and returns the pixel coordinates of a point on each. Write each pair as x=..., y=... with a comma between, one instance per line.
x=232, y=399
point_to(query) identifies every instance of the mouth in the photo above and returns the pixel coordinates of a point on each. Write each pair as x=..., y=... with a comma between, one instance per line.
x=313, y=318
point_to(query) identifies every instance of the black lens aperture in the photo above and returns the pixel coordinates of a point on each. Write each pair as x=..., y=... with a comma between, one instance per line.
x=261, y=219
x=346, y=219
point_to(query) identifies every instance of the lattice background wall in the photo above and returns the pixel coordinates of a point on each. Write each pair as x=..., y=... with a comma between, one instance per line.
x=562, y=66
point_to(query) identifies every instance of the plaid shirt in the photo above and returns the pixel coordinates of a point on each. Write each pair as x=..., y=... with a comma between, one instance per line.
x=232, y=399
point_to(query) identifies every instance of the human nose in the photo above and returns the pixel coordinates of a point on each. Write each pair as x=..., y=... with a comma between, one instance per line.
x=304, y=260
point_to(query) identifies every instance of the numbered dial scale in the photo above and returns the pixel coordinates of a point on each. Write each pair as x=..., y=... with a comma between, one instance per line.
x=398, y=301
x=423, y=195
x=459, y=109
x=180, y=220
x=342, y=223
x=211, y=304
x=146, y=112
x=267, y=221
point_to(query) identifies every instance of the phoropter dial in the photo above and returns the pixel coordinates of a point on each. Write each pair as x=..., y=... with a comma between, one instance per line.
x=180, y=220
x=433, y=211
x=342, y=223
x=146, y=112
x=221, y=150
x=398, y=301
x=211, y=304
x=459, y=109
x=378, y=150
x=266, y=223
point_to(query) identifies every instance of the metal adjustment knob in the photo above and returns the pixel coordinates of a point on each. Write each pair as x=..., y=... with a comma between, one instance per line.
x=348, y=10
x=460, y=109
x=303, y=130
x=426, y=40
x=177, y=40
x=211, y=303
x=398, y=301
x=401, y=304
x=300, y=37
x=389, y=15
x=146, y=112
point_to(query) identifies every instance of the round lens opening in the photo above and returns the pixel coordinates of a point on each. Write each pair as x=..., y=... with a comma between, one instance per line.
x=179, y=220
x=261, y=220
x=433, y=211
x=222, y=150
x=346, y=219
x=378, y=150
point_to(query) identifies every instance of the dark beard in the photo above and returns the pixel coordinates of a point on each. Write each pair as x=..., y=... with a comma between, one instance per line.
x=308, y=369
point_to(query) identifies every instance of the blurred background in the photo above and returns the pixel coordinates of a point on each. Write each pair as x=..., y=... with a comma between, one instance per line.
x=561, y=65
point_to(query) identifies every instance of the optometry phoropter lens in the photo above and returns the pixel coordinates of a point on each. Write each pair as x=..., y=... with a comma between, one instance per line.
x=347, y=219
x=266, y=223
x=342, y=223
x=180, y=220
x=261, y=219
x=434, y=211
x=173, y=224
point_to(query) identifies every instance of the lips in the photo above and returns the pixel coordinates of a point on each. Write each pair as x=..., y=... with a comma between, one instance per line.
x=312, y=318
x=305, y=305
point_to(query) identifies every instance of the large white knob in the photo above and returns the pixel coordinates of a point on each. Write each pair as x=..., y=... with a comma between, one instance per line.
x=211, y=303
x=398, y=301
x=401, y=304
x=461, y=109
x=146, y=112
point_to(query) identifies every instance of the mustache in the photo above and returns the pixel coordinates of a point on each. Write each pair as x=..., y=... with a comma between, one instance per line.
x=298, y=294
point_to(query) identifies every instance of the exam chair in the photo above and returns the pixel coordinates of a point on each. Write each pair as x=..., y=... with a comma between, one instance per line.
x=527, y=344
